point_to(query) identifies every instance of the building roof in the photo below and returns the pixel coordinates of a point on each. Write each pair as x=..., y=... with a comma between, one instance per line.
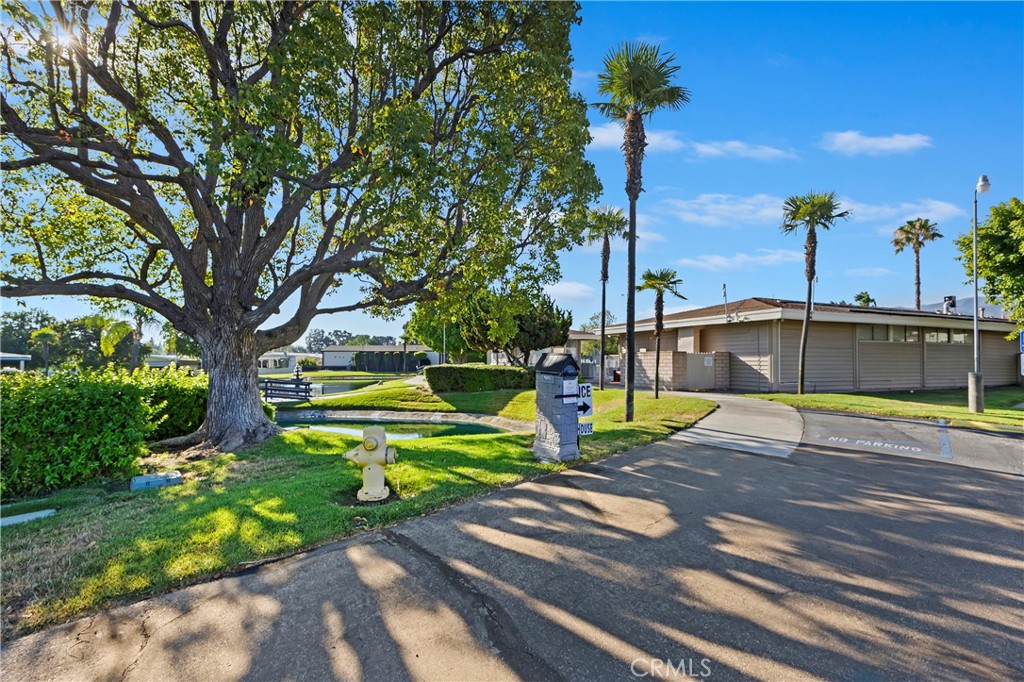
x=577, y=335
x=758, y=308
x=14, y=357
x=412, y=348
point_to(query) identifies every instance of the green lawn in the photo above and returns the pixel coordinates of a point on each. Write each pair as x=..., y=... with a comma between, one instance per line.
x=105, y=546
x=950, y=405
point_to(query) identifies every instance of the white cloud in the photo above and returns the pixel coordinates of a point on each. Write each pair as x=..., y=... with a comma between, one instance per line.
x=724, y=148
x=581, y=76
x=609, y=136
x=570, y=292
x=869, y=272
x=896, y=214
x=718, y=210
x=853, y=142
x=760, y=258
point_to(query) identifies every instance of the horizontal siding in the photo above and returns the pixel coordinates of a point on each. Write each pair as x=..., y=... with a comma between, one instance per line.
x=888, y=366
x=947, y=364
x=831, y=350
x=750, y=357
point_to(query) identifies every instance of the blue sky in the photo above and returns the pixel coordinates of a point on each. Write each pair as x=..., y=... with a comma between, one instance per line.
x=898, y=108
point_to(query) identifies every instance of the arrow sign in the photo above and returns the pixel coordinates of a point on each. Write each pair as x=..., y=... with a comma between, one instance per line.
x=585, y=400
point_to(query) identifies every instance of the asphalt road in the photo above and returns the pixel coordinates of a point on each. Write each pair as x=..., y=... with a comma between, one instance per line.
x=674, y=561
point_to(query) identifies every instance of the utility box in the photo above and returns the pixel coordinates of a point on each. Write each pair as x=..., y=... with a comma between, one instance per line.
x=557, y=414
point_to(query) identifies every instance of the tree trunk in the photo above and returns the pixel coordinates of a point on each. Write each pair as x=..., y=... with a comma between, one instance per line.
x=604, y=287
x=633, y=147
x=133, y=363
x=917, y=277
x=234, y=410
x=810, y=249
x=803, y=341
x=631, y=311
x=657, y=363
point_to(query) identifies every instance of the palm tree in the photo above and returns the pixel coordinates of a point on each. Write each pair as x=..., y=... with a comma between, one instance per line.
x=43, y=339
x=604, y=223
x=914, y=233
x=814, y=210
x=660, y=281
x=637, y=78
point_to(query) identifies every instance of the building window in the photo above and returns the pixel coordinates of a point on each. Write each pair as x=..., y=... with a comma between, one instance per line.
x=936, y=336
x=960, y=336
x=873, y=332
x=902, y=334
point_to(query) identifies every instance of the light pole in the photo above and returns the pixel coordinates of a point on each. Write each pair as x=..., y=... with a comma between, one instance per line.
x=975, y=380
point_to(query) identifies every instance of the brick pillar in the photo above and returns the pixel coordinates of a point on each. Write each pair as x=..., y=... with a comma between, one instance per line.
x=723, y=381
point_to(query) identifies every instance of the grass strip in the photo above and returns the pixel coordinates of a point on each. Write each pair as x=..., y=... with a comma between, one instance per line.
x=950, y=405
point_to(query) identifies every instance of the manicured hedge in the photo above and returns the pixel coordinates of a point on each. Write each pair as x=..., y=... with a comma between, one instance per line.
x=476, y=378
x=177, y=398
x=69, y=428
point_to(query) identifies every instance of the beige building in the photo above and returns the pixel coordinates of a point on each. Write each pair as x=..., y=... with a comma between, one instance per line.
x=754, y=347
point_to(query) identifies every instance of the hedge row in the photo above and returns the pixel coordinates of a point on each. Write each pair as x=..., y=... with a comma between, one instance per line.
x=74, y=427
x=385, y=361
x=69, y=428
x=476, y=378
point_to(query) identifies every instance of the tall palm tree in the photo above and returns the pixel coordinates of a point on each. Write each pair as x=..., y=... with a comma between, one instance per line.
x=914, y=233
x=811, y=211
x=660, y=282
x=604, y=222
x=637, y=79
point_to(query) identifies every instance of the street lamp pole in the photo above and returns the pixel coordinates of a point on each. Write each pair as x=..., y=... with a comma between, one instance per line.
x=975, y=380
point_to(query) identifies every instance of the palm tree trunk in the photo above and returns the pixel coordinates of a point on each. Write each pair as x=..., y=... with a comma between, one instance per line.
x=633, y=146
x=917, y=277
x=810, y=249
x=803, y=341
x=657, y=363
x=631, y=310
x=604, y=287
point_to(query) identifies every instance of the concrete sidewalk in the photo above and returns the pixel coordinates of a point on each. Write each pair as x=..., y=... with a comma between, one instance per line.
x=761, y=427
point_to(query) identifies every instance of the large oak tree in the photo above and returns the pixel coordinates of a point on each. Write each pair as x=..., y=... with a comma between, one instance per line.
x=228, y=165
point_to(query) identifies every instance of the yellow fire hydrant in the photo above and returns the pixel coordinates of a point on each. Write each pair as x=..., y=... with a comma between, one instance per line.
x=371, y=456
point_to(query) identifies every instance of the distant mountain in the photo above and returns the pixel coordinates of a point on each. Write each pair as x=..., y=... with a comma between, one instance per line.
x=964, y=307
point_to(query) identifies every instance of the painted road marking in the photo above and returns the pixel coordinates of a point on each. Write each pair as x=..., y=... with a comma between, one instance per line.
x=884, y=445
x=946, y=448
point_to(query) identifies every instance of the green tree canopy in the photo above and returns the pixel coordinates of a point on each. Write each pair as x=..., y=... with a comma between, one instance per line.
x=1000, y=258
x=514, y=323
x=864, y=300
x=214, y=161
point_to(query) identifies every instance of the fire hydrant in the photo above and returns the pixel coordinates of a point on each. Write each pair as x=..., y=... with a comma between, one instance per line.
x=371, y=456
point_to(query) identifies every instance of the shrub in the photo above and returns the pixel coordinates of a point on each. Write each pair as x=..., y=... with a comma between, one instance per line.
x=308, y=363
x=69, y=428
x=476, y=378
x=358, y=362
x=420, y=358
x=176, y=397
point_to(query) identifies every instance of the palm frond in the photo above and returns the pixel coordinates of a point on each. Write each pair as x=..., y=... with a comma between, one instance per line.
x=637, y=76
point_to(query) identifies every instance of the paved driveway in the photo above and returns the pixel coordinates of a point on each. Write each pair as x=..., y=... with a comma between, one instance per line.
x=920, y=439
x=675, y=561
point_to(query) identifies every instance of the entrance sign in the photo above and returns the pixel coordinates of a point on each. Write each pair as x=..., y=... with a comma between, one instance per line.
x=585, y=400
